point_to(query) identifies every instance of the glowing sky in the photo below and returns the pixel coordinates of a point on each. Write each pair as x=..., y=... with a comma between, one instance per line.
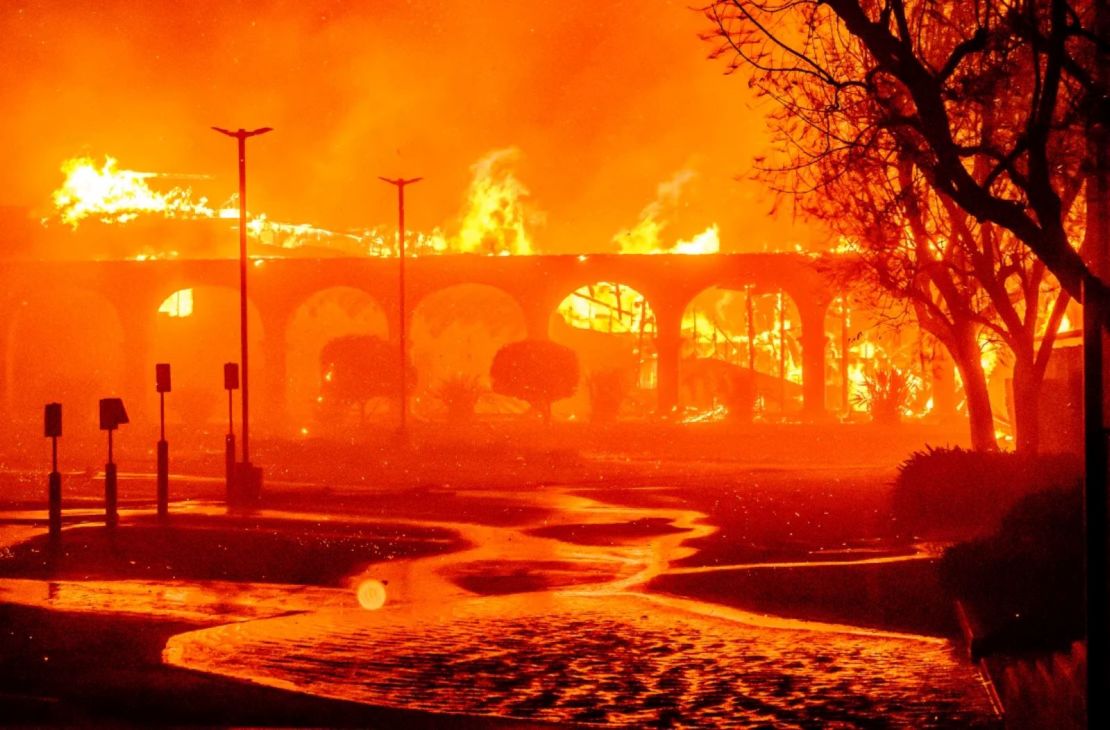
x=605, y=101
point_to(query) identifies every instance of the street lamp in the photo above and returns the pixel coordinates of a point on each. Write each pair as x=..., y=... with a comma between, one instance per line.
x=248, y=482
x=400, y=183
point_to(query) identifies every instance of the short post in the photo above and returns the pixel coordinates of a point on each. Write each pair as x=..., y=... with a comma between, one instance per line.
x=162, y=383
x=112, y=415
x=111, y=489
x=53, y=430
x=231, y=383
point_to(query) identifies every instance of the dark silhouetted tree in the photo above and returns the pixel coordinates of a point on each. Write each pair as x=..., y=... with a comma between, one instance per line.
x=999, y=105
x=357, y=368
x=538, y=372
x=860, y=143
x=968, y=284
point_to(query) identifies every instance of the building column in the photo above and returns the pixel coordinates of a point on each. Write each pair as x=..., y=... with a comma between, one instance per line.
x=814, y=348
x=668, y=341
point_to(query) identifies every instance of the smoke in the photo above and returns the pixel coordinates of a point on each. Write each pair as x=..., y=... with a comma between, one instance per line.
x=602, y=99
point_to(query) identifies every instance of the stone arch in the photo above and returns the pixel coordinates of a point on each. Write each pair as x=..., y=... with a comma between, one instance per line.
x=455, y=332
x=755, y=332
x=323, y=316
x=614, y=330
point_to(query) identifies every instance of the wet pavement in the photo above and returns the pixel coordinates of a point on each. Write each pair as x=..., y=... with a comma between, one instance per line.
x=548, y=620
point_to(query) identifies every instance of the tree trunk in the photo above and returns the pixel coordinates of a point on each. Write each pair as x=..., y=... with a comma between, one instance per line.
x=979, y=414
x=1027, y=399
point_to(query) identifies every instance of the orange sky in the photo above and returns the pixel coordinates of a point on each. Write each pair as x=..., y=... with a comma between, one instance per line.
x=605, y=100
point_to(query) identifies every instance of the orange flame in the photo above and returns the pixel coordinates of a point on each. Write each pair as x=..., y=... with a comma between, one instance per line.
x=646, y=236
x=495, y=220
x=112, y=195
x=497, y=217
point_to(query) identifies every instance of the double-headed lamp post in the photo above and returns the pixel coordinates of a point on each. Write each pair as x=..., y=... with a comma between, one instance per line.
x=400, y=184
x=241, y=136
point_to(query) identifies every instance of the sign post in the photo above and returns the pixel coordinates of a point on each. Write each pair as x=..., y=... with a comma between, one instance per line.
x=231, y=383
x=162, y=383
x=53, y=429
x=112, y=415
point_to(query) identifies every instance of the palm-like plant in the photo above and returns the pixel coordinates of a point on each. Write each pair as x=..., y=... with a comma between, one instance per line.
x=885, y=393
x=460, y=393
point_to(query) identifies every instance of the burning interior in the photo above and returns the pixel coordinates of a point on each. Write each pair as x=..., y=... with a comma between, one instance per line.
x=734, y=353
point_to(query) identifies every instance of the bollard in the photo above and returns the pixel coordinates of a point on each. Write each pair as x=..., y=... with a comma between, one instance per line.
x=53, y=429
x=163, y=479
x=247, y=486
x=231, y=383
x=111, y=496
x=162, y=385
x=112, y=415
x=229, y=464
x=55, y=505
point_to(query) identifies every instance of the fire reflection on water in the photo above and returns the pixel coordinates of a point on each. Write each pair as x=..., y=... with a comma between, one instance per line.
x=563, y=633
x=204, y=602
x=564, y=657
x=593, y=649
x=371, y=594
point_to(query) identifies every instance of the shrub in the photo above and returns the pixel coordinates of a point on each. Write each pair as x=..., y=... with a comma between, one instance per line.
x=538, y=372
x=884, y=394
x=357, y=368
x=460, y=395
x=1025, y=583
x=953, y=492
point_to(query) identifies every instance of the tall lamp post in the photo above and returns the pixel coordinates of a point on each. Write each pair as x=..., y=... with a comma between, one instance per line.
x=400, y=184
x=247, y=488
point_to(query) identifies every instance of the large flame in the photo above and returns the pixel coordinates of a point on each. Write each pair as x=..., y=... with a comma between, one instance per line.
x=496, y=218
x=712, y=330
x=706, y=242
x=112, y=195
x=646, y=236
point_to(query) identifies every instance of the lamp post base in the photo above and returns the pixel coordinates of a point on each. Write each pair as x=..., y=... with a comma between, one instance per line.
x=111, y=496
x=246, y=486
